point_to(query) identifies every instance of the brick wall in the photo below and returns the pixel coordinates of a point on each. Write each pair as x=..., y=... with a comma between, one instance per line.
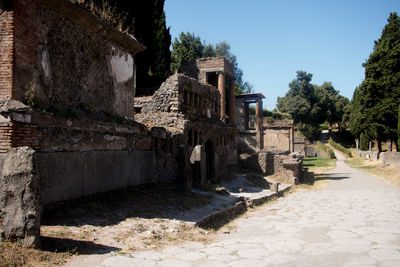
x=6, y=53
x=16, y=135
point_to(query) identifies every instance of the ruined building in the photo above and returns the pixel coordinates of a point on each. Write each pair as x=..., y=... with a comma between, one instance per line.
x=195, y=112
x=250, y=122
x=68, y=126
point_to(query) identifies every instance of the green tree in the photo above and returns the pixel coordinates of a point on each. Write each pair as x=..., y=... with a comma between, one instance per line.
x=186, y=48
x=302, y=103
x=380, y=91
x=364, y=142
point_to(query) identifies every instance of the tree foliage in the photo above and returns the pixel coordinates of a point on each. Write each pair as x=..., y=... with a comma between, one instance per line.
x=310, y=105
x=189, y=47
x=378, y=97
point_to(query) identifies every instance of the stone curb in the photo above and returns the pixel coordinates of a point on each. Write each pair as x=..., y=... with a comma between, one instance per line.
x=237, y=209
x=208, y=220
x=262, y=200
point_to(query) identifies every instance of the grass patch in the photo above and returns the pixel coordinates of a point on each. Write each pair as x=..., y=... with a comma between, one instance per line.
x=316, y=162
x=341, y=148
x=314, y=168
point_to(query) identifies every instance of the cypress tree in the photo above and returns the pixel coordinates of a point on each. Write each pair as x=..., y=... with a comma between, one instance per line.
x=398, y=131
x=381, y=87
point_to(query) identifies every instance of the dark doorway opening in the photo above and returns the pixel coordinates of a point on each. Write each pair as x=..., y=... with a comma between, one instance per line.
x=212, y=79
x=209, y=148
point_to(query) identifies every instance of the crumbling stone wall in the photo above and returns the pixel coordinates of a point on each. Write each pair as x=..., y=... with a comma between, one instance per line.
x=61, y=62
x=20, y=197
x=268, y=163
x=182, y=96
x=390, y=157
x=189, y=112
x=68, y=83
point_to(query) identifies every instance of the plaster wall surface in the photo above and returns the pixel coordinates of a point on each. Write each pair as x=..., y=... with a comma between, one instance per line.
x=70, y=175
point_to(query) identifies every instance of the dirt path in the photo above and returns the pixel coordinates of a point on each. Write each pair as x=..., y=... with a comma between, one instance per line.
x=352, y=222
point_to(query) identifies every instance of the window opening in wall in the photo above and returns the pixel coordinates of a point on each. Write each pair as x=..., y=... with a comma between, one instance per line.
x=252, y=117
x=212, y=79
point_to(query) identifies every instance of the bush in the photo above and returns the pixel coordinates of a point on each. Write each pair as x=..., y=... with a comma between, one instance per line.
x=341, y=148
x=326, y=150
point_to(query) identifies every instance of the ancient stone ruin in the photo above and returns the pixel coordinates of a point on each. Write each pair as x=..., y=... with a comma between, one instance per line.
x=70, y=125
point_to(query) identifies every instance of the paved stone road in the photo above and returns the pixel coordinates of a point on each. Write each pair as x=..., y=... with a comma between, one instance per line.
x=354, y=222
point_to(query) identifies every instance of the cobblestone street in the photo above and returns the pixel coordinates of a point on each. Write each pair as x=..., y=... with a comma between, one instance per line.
x=352, y=222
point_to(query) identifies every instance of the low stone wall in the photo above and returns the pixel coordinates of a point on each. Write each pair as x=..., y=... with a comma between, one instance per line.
x=369, y=155
x=390, y=157
x=268, y=163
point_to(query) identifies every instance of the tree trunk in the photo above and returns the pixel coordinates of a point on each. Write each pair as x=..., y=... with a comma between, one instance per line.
x=389, y=145
x=379, y=146
x=370, y=146
x=357, y=144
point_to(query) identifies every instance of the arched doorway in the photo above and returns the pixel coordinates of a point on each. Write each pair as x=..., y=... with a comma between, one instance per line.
x=210, y=161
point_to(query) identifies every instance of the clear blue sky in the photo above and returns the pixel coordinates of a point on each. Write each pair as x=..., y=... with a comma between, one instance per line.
x=274, y=39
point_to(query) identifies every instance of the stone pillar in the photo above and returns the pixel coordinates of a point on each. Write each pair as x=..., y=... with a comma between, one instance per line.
x=20, y=197
x=259, y=116
x=221, y=89
x=232, y=119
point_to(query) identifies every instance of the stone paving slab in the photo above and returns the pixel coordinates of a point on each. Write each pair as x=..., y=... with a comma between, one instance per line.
x=353, y=222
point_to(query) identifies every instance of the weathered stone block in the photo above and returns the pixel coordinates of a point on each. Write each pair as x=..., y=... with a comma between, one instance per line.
x=20, y=197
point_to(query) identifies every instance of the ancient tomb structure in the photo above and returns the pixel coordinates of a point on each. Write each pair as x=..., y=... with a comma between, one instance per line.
x=249, y=121
x=279, y=136
x=218, y=72
x=187, y=115
x=67, y=83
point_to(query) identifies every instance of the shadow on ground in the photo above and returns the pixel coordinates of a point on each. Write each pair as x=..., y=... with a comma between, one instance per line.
x=110, y=208
x=331, y=176
x=53, y=244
